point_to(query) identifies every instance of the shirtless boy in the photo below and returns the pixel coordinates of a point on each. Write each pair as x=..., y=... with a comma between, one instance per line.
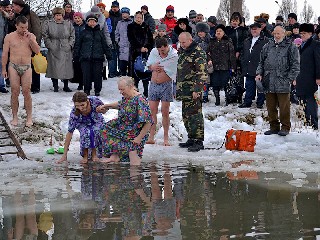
x=20, y=44
x=162, y=61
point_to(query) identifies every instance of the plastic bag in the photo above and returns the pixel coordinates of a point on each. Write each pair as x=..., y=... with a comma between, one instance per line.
x=39, y=63
x=140, y=64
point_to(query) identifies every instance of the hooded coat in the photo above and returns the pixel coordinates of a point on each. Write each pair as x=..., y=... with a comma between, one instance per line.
x=59, y=38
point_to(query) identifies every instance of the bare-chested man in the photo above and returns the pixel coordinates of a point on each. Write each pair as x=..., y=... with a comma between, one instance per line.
x=162, y=61
x=20, y=44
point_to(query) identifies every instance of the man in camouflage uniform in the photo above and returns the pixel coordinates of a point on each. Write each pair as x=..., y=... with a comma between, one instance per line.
x=191, y=75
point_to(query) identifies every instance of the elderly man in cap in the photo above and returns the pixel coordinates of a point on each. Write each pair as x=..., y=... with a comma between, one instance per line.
x=20, y=8
x=250, y=57
x=264, y=31
x=279, y=66
x=115, y=16
x=148, y=19
x=309, y=78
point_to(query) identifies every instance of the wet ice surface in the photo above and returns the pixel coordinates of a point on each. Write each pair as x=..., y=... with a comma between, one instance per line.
x=170, y=201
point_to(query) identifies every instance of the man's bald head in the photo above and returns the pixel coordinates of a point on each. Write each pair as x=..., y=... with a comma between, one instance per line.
x=279, y=33
x=185, y=40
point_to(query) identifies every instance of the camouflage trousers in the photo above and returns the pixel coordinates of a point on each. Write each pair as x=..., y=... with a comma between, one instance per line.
x=193, y=118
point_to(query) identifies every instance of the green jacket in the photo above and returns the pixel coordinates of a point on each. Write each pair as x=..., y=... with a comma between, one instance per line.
x=192, y=71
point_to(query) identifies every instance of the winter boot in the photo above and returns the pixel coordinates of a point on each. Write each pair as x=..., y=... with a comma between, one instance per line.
x=186, y=144
x=104, y=73
x=196, y=147
x=217, y=95
x=65, y=86
x=55, y=85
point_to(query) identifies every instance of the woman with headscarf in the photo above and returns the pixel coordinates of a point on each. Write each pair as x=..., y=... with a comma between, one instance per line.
x=59, y=38
x=141, y=43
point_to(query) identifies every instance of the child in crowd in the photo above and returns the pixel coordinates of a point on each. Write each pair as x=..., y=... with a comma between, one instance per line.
x=162, y=32
x=84, y=117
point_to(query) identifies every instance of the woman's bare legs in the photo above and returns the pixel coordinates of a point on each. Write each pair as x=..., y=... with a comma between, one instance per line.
x=134, y=158
x=113, y=158
x=85, y=156
x=94, y=156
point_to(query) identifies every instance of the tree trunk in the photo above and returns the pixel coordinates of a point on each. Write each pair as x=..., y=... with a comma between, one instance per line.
x=236, y=6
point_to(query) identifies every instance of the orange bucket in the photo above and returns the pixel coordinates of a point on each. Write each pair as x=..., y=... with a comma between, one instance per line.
x=240, y=140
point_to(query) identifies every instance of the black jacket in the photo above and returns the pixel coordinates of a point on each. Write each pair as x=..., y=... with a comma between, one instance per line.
x=115, y=18
x=250, y=60
x=92, y=45
x=237, y=35
x=309, y=68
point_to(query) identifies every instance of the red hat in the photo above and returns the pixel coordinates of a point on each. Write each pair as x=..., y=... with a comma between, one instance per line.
x=78, y=14
x=100, y=4
x=170, y=8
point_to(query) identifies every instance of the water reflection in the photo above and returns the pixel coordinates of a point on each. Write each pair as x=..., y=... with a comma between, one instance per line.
x=163, y=202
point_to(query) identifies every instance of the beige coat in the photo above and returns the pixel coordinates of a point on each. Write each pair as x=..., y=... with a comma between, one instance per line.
x=59, y=39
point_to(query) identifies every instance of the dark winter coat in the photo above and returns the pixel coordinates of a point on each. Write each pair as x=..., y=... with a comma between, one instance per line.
x=115, y=18
x=33, y=22
x=77, y=30
x=69, y=16
x=309, y=68
x=250, y=60
x=176, y=32
x=203, y=42
x=265, y=32
x=237, y=35
x=148, y=19
x=139, y=36
x=221, y=53
x=279, y=65
x=92, y=45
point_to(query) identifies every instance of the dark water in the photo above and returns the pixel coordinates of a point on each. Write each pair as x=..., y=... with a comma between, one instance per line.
x=165, y=202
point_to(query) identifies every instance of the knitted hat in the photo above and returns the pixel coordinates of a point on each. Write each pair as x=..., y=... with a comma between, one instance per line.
x=19, y=2
x=101, y=5
x=115, y=4
x=78, y=14
x=91, y=17
x=221, y=26
x=306, y=27
x=192, y=14
x=58, y=10
x=95, y=9
x=162, y=27
x=280, y=18
x=297, y=41
x=125, y=10
x=212, y=19
x=170, y=8
x=202, y=27
x=145, y=7
x=293, y=15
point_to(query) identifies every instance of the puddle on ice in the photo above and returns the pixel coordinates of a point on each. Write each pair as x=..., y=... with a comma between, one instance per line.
x=158, y=202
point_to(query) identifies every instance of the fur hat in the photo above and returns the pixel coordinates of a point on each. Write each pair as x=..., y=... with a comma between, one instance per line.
x=162, y=27
x=145, y=7
x=212, y=19
x=170, y=8
x=306, y=27
x=280, y=18
x=293, y=15
x=202, y=27
x=58, y=10
x=101, y=5
x=192, y=14
x=183, y=20
x=4, y=3
x=265, y=16
x=78, y=14
x=125, y=10
x=19, y=2
x=221, y=26
x=261, y=20
x=91, y=17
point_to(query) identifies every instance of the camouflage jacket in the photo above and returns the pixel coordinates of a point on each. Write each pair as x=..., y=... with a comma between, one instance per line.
x=192, y=71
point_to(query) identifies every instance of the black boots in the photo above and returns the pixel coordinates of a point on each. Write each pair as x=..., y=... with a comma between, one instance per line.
x=65, y=86
x=55, y=85
x=192, y=145
x=217, y=95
